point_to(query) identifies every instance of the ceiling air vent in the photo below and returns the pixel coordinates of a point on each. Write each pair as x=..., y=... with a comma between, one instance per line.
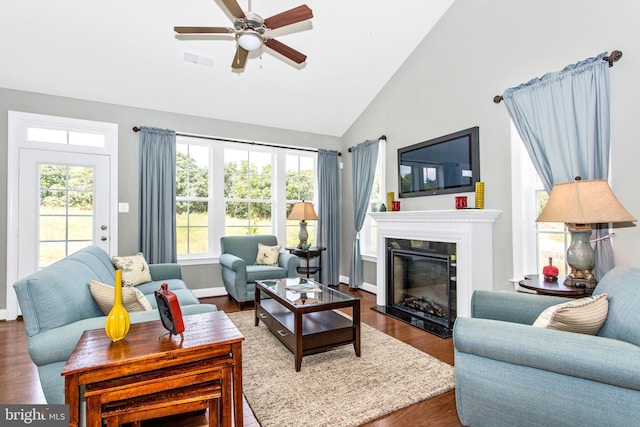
x=196, y=59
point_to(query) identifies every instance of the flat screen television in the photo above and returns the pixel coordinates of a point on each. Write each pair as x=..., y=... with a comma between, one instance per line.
x=448, y=164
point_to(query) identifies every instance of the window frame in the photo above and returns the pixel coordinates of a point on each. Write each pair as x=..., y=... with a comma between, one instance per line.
x=216, y=218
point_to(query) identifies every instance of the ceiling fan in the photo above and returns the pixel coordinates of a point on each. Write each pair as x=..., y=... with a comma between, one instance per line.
x=252, y=31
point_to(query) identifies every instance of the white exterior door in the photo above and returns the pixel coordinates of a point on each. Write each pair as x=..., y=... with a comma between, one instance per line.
x=61, y=192
x=64, y=206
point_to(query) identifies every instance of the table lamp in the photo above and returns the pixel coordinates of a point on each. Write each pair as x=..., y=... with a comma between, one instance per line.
x=580, y=204
x=303, y=211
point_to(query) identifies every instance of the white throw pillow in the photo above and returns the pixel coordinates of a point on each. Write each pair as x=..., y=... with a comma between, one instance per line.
x=135, y=269
x=104, y=295
x=267, y=255
x=584, y=315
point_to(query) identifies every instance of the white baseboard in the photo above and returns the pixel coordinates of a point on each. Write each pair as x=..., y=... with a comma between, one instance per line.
x=365, y=286
x=218, y=291
x=3, y=314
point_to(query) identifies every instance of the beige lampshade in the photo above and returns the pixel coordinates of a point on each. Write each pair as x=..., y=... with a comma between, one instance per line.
x=584, y=202
x=303, y=211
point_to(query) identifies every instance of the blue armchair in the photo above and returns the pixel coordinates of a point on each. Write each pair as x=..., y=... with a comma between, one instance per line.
x=239, y=271
x=509, y=373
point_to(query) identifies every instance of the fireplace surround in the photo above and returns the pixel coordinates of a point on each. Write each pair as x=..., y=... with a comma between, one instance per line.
x=471, y=230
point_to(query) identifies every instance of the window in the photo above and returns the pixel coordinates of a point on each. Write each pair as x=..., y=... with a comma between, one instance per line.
x=248, y=178
x=57, y=136
x=533, y=242
x=368, y=234
x=192, y=198
x=227, y=188
x=552, y=238
x=300, y=186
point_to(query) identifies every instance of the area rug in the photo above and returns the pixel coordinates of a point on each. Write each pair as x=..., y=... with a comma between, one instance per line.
x=334, y=388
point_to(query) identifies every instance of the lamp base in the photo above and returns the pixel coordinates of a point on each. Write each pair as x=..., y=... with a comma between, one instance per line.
x=302, y=234
x=580, y=283
x=580, y=257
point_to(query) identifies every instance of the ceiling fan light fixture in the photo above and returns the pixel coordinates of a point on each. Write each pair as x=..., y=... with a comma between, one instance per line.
x=250, y=40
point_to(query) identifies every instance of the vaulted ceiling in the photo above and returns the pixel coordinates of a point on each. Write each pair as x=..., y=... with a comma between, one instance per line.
x=126, y=52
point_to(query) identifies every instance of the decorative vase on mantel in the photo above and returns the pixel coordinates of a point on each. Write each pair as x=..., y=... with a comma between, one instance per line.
x=118, y=322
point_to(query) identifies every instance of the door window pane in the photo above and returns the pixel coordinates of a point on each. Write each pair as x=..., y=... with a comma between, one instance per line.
x=66, y=211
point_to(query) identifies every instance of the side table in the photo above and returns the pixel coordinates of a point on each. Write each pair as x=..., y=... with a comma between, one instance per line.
x=537, y=282
x=308, y=255
x=211, y=349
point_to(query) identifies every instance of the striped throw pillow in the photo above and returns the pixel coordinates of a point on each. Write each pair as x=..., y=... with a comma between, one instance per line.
x=584, y=315
x=132, y=298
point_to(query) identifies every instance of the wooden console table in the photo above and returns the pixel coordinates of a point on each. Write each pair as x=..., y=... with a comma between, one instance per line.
x=211, y=349
x=308, y=255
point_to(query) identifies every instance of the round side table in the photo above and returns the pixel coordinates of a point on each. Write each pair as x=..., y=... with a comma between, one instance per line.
x=537, y=282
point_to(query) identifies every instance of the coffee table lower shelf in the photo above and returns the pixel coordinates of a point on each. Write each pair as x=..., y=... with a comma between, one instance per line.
x=321, y=330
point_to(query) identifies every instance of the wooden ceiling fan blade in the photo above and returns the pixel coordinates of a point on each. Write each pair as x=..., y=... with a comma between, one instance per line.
x=234, y=8
x=297, y=14
x=240, y=59
x=202, y=30
x=286, y=51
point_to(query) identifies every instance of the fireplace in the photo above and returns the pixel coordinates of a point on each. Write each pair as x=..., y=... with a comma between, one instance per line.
x=421, y=284
x=470, y=231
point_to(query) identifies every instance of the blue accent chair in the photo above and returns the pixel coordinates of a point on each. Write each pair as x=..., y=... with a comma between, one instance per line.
x=239, y=272
x=509, y=373
x=57, y=307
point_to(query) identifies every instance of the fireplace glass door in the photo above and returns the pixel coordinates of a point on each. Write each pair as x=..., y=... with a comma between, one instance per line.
x=423, y=284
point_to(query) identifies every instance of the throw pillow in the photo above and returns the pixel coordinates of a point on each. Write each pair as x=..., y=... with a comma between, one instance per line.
x=267, y=255
x=135, y=270
x=132, y=298
x=584, y=315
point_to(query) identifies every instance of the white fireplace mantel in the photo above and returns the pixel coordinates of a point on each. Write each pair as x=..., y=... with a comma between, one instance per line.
x=470, y=229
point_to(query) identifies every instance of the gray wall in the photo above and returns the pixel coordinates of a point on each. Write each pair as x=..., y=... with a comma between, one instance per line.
x=197, y=276
x=478, y=49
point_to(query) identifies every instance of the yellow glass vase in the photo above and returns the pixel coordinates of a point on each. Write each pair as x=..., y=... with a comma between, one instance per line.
x=118, y=322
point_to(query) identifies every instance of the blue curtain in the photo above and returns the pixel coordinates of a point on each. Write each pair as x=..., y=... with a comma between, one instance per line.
x=563, y=119
x=329, y=215
x=364, y=159
x=157, y=219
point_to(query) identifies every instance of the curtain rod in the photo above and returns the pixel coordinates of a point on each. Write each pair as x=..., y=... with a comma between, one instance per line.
x=614, y=57
x=263, y=144
x=381, y=137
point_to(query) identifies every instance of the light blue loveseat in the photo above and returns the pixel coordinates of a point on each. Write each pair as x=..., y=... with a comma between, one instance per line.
x=239, y=271
x=509, y=373
x=57, y=307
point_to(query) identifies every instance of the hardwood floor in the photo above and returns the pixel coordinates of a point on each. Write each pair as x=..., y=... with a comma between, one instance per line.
x=21, y=384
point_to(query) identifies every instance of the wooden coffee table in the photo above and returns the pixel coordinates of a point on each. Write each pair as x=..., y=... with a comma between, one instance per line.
x=306, y=322
x=211, y=348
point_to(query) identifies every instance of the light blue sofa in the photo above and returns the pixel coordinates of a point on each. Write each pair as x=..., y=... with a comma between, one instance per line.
x=239, y=271
x=57, y=307
x=509, y=373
